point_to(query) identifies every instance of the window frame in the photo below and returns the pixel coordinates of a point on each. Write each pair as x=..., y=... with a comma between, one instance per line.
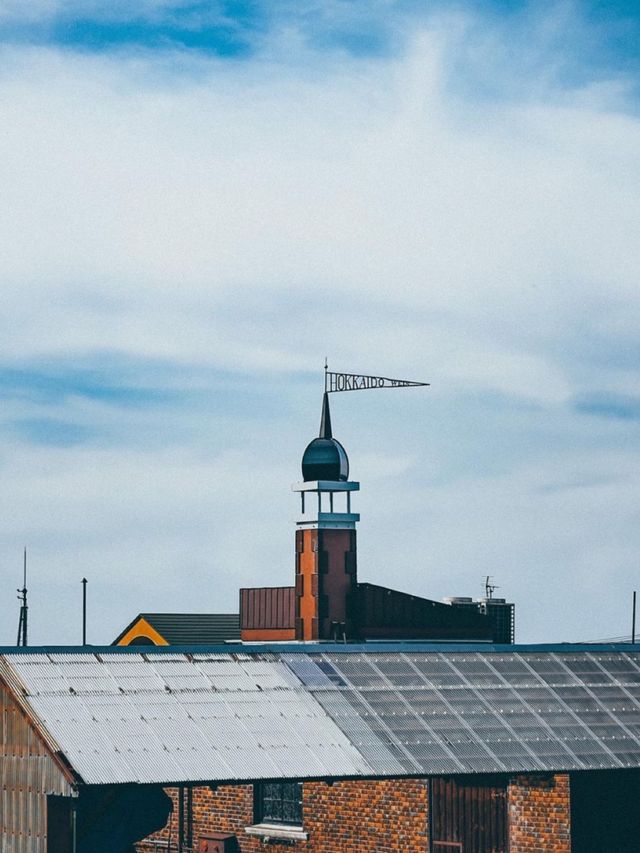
x=267, y=814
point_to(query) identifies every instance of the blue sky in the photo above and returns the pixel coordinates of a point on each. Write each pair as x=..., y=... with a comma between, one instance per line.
x=587, y=38
x=202, y=201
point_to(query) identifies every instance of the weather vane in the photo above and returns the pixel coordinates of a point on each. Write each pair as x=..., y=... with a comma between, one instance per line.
x=334, y=382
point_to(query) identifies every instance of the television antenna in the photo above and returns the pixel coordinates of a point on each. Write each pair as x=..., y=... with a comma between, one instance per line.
x=489, y=588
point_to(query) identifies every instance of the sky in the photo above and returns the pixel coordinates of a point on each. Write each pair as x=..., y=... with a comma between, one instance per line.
x=202, y=201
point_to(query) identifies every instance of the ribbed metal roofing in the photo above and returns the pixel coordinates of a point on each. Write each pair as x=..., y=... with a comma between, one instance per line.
x=162, y=717
x=199, y=715
x=186, y=629
x=483, y=711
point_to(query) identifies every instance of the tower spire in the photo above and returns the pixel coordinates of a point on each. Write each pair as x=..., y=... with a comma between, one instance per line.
x=325, y=420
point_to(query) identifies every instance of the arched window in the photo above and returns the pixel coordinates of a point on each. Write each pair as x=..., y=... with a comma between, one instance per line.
x=141, y=641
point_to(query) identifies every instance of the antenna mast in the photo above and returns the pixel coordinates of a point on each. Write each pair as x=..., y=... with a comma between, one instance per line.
x=24, y=608
x=489, y=588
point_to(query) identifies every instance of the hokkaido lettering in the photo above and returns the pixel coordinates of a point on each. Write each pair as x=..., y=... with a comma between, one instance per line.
x=357, y=382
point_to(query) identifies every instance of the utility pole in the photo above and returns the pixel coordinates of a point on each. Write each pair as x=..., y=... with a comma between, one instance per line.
x=84, y=611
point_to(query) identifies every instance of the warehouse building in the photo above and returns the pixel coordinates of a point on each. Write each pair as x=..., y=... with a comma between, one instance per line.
x=322, y=747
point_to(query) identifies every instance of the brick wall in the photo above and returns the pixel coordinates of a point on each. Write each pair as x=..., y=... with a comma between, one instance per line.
x=388, y=816
x=539, y=814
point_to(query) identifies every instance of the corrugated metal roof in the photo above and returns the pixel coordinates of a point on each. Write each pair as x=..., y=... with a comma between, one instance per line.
x=304, y=712
x=488, y=711
x=171, y=718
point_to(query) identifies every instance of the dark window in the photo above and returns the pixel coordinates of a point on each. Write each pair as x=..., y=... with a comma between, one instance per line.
x=278, y=802
x=350, y=562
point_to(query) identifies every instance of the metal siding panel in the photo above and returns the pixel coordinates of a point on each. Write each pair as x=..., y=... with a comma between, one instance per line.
x=242, y=602
x=290, y=600
x=268, y=608
x=27, y=775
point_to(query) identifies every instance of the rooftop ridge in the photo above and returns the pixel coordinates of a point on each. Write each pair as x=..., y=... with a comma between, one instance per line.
x=288, y=647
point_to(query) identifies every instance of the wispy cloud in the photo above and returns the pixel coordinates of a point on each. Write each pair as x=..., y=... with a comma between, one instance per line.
x=51, y=383
x=50, y=432
x=610, y=406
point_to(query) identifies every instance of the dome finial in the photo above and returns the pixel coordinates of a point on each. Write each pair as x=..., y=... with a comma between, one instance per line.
x=325, y=420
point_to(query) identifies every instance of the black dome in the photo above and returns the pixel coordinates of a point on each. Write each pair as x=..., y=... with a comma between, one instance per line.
x=325, y=459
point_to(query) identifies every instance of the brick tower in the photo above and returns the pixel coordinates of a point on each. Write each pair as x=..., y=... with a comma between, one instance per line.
x=326, y=578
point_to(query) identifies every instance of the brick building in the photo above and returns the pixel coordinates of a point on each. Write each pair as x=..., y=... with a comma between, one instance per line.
x=320, y=747
x=327, y=601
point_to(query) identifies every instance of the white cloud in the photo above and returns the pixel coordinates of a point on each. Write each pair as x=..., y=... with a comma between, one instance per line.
x=132, y=195
x=254, y=216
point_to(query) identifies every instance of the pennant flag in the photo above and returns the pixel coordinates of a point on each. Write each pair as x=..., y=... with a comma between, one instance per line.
x=359, y=382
